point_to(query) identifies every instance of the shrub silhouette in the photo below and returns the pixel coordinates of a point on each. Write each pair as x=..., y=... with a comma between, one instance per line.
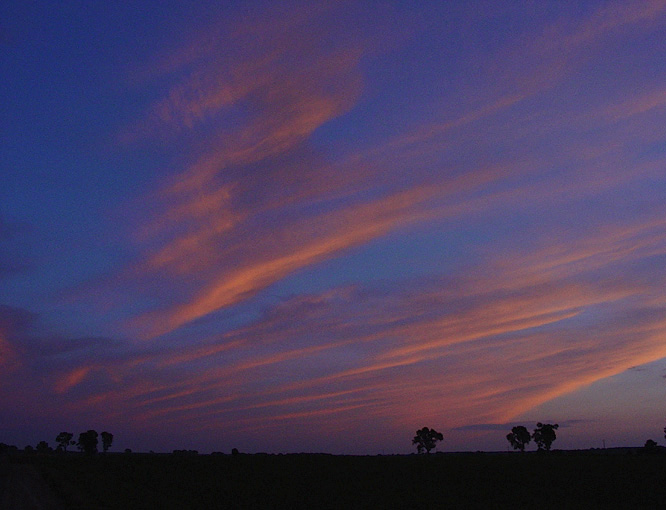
x=426, y=439
x=650, y=446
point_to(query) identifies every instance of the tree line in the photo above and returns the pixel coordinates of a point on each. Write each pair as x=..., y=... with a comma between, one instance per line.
x=87, y=443
x=543, y=436
x=426, y=439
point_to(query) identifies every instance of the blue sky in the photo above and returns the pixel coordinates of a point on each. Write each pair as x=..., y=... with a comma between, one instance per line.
x=320, y=228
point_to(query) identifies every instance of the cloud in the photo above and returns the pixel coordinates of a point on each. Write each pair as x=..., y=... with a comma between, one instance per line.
x=289, y=76
x=256, y=198
x=510, y=337
x=486, y=426
x=15, y=320
x=44, y=372
x=558, y=214
x=305, y=241
x=71, y=379
x=479, y=347
x=504, y=427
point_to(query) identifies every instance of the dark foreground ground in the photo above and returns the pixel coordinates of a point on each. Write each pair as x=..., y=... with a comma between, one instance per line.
x=131, y=481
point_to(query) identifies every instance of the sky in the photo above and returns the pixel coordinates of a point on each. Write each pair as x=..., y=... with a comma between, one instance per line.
x=319, y=227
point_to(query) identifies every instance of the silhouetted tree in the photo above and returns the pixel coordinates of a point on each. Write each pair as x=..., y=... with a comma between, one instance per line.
x=426, y=439
x=234, y=451
x=107, y=439
x=544, y=435
x=664, y=432
x=7, y=448
x=650, y=446
x=88, y=442
x=43, y=447
x=64, y=439
x=519, y=437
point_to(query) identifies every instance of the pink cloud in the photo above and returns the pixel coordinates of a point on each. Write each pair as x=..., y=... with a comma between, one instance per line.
x=258, y=199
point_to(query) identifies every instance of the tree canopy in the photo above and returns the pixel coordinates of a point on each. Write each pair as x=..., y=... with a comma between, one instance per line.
x=88, y=442
x=426, y=439
x=107, y=439
x=544, y=435
x=64, y=439
x=519, y=437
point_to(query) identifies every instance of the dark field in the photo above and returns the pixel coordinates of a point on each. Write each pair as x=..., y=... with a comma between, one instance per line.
x=555, y=480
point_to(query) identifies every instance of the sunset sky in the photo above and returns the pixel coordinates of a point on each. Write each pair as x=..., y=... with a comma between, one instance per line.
x=288, y=227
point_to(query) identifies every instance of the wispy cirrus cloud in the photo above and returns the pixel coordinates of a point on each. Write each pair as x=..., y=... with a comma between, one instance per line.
x=508, y=334
x=544, y=333
x=257, y=199
x=537, y=179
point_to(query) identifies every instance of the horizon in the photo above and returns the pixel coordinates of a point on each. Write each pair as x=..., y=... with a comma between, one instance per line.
x=322, y=227
x=76, y=449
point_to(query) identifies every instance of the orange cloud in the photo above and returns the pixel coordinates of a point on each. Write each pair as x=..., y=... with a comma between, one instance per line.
x=257, y=199
x=217, y=215
x=71, y=379
x=305, y=242
x=638, y=105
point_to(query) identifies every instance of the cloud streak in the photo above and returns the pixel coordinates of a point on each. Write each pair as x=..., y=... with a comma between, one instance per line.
x=523, y=331
x=308, y=263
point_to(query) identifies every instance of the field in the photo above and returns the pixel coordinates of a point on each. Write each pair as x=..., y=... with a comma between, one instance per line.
x=593, y=479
